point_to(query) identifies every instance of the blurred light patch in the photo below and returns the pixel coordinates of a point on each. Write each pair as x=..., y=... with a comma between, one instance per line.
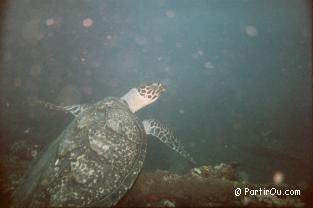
x=181, y=111
x=140, y=40
x=88, y=22
x=69, y=95
x=278, y=177
x=251, y=31
x=17, y=82
x=50, y=22
x=170, y=13
x=179, y=45
x=208, y=65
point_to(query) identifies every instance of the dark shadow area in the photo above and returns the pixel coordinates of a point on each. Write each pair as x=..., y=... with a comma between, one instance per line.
x=307, y=196
x=4, y=7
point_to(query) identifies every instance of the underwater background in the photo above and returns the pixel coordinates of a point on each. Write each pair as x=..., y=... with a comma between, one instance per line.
x=237, y=73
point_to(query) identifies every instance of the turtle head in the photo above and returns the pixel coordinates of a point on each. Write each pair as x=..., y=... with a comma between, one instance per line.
x=151, y=92
x=139, y=97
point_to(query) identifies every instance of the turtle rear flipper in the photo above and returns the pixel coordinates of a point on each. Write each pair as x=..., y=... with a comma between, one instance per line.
x=165, y=135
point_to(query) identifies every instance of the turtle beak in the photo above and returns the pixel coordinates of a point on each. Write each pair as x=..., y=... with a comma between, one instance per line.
x=161, y=88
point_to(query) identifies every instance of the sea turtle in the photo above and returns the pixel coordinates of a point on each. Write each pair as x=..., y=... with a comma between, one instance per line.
x=97, y=158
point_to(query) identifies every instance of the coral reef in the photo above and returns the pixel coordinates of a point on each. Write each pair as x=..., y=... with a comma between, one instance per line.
x=204, y=186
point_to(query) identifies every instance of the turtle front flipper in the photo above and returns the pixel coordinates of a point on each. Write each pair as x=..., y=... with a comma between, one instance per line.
x=164, y=134
x=75, y=110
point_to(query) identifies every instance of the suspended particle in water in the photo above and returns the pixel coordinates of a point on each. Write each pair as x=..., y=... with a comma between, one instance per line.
x=192, y=145
x=200, y=52
x=195, y=56
x=87, y=90
x=170, y=13
x=17, y=82
x=181, y=111
x=278, y=177
x=109, y=37
x=140, y=40
x=69, y=95
x=35, y=70
x=87, y=22
x=208, y=65
x=114, y=83
x=159, y=58
x=50, y=22
x=251, y=31
x=179, y=45
x=237, y=126
x=167, y=69
x=27, y=131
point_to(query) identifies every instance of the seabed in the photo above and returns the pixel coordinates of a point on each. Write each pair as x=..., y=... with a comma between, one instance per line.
x=203, y=186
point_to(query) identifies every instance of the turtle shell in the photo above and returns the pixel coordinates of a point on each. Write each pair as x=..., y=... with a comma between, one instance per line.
x=94, y=161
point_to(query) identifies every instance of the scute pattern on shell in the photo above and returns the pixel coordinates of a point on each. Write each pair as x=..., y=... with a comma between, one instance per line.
x=93, y=162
